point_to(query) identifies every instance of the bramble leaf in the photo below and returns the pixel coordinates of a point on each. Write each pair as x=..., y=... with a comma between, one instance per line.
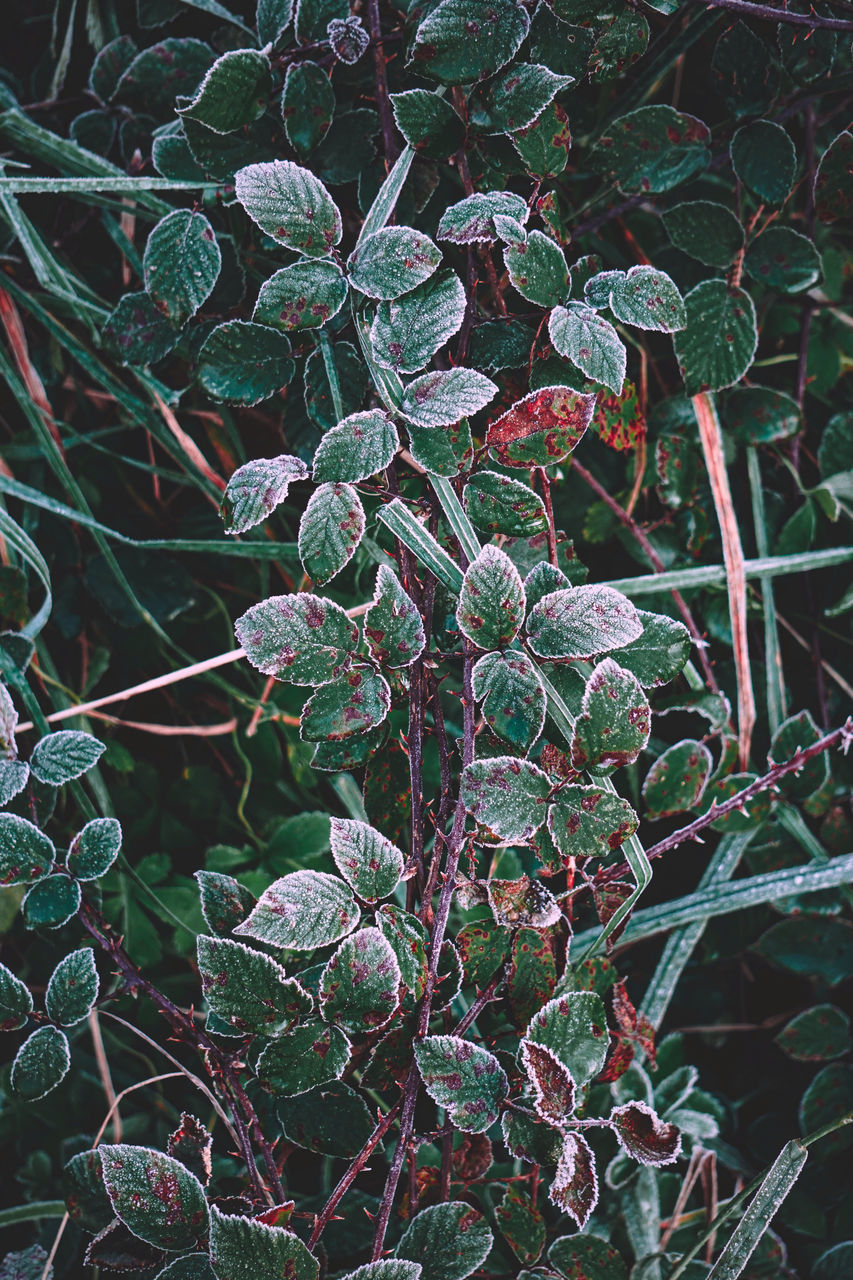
x=73, y=988
x=26, y=854
x=359, y=986
x=491, y=603
x=590, y=342
x=575, y=1185
x=586, y=822
x=348, y=39
x=301, y=911
x=244, y=363
x=257, y=488
x=659, y=654
x=392, y=625
x=94, y=849
x=330, y=1120
x=331, y=527
x=542, y=428
x=247, y=989
x=581, y=622
x=574, y=1028
x=225, y=903
x=516, y=98
x=718, y=344
x=61, y=757
x=464, y=1078
x=291, y=205
x=154, y=1196
x=587, y=1256
x=51, y=903
x=302, y=296
x=783, y=259
x=615, y=720
x=652, y=149
x=677, y=779
x=765, y=160
x=499, y=504
x=644, y=1136
x=303, y=1058
x=816, y=1034
x=307, y=106
x=440, y=398
x=407, y=331
x=241, y=1248
x=706, y=230
x=354, y=703
x=428, y=123
x=356, y=448
x=521, y=1224
x=370, y=864
x=506, y=796
x=303, y=639
x=472, y=219
x=537, y=269
x=461, y=41
x=392, y=261
x=648, y=299
x=41, y=1063
x=551, y=1080
x=16, y=1002
x=233, y=92
x=833, y=189
x=181, y=264
x=512, y=695
x=409, y=941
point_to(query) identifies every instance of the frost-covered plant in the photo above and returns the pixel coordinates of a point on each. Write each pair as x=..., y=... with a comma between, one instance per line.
x=428, y=1032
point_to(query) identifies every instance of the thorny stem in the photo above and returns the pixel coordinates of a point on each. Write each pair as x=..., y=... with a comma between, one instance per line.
x=383, y=101
x=549, y=512
x=811, y=20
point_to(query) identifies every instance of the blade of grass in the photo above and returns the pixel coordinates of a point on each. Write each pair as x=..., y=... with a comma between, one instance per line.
x=715, y=574
x=31, y=1212
x=388, y=194
x=772, y=653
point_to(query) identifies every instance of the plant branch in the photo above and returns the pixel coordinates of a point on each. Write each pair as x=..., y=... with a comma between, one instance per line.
x=383, y=101
x=766, y=13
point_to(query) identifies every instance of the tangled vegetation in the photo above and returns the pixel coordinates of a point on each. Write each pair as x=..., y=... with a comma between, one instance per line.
x=483, y=366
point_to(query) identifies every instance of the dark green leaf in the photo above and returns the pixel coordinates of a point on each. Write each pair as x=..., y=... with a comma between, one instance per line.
x=764, y=158
x=138, y=332
x=527, y=1138
x=677, y=779
x=370, y=864
x=51, y=903
x=331, y=528
x=332, y=1120
x=537, y=269
x=491, y=603
x=313, y=18
x=498, y=504
x=574, y=1028
x=472, y=219
x=356, y=448
x=513, y=698
x=303, y=296
x=586, y=1257
x=797, y=732
x=816, y=1034
x=448, y=1240
x=652, y=149
x=659, y=654
x=352, y=704
x=158, y=74
x=243, y=1248
x=15, y=1001
x=303, y=639
x=257, y=488
x=247, y=989
x=85, y=1196
x=521, y=1225
x=708, y=231
x=272, y=18
x=506, y=796
x=233, y=93
x=586, y=822
x=718, y=345
x=428, y=123
x=827, y=1099
x=348, y=39
x=392, y=261
x=73, y=988
x=442, y=451
x=244, y=363
x=443, y=397
x=61, y=757
x=409, y=941
x=110, y=63
x=407, y=331
x=26, y=854
x=303, y=1059
x=155, y=1196
x=483, y=947
x=40, y=1064
x=833, y=188
x=302, y=911
x=291, y=205
x=590, y=342
x=360, y=984
x=814, y=945
x=392, y=625
x=14, y=775
x=648, y=299
x=225, y=903
x=745, y=70
x=461, y=41
x=182, y=262
x=622, y=42
x=761, y=415
x=307, y=106
x=514, y=99
x=783, y=259
x=544, y=145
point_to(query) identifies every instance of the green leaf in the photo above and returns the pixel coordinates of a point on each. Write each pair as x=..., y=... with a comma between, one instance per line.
x=358, y=447
x=833, y=188
x=302, y=296
x=644, y=1136
x=442, y=451
x=26, y=854
x=272, y=18
x=677, y=779
x=498, y=504
x=408, y=939
x=359, y=986
x=660, y=653
x=428, y=123
x=348, y=39
x=94, y=850
x=463, y=1078
x=761, y=415
x=443, y=397
x=513, y=698
x=246, y=1249
x=529, y=1139
x=330, y=1120
x=353, y=704
x=705, y=230
x=574, y=1028
x=41, y=1063
x=181, y=263
x=61, y=757
x=244, y=363
x=491, y=603
x=331, y=528
x=514, y=99
x=541, y=429
x=652, y=149
x=835, y=1263
x=188, y=1266
x=765, y=160
x=51, y=903
x=797, y=732
x=392, y=261
x=473, y=219
x=461, y=41
x=291, y=205
x=814, y=945
x=307, y=106
x=718, y=345
x=648, y=299
x=449, y=1240
x=537, y=269
x=575, y=1186
x=581, y=622
x=16, y=1002
x=783, y=259
x=386, y=1269
x=615, y=720
x=407, y=331
x=521, y=1225
x=816, y=1034
x=544, y=145
x=156, y=75
x=622, y=42
x=392, y=624
x=590, y=342
x=745, y=71
x=303, y=1059
x=302, y=911
x=110, y=62
x=83, y=1187
x=248, y=990
x=225, y=903
x=155, y=1197
x=303, y=639
x=586, y=822
x=139, y=333
x=257, y=488
x=483, y=947
x=73, y=988
x=233, y=93
x=370, y=864
x=586, y=1257
x=506, y=796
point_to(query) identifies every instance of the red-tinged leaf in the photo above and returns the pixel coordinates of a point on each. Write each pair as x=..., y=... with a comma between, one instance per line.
x=155, y=1196
x=644, y=1136
x=552, y=1082
x=482, y=947
x=191, y=1144
x=521, y=1224
x=575, y=1185
x=618, y=418
x=532, y=975
x=473, y=1157
x=542, y=428
x=523, y=902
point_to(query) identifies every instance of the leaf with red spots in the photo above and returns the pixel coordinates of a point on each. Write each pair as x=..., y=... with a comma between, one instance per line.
x=16, y=1002
x=41, y=1063
x=304, y=1058
x=659, y=654
x=302, y=296
x=615, y=720
x=388, y=791
x=648, y=299
x=552, y=1083
x=783, y=259
x=818, y=1033
x=467, y=1080
x=247, y=1249
x=225, y=902
x=429, y=123
x=581, y=622
x=392, y=261
x=181, y=263
x=331, y=1120
x=507, y=797
x=644, y=1136
x=531, y=975
x=541, y=429
x=544, y=145
x=301, y=911
x=370, y=863
x=386, y=1269
x=522, y=902
x=618, y=419
x=677, y=779
x=392, y=625
x=257, y=488
x=26, y=854
x=498, y=504
x=574, y=1027
x=303, y=639
x=583, y=336
x=73, y=988
x=621, y=43
x=514, y=99
x=307, y=106
x=586, y=1257
x=575, y=1185
x=521, y=1224
x=527, y=1138
x=461, y=41
x=652, y=149
x=330, y=530
x=445, y=396
x=409, y=941
x=291, y=205
x=537, y=269
x=408, y=331
x=491, y=603
x=247, y=989
x=356, y=448
x=512, y=696
x=116, y=1249
x=233, y=92
x=718, y=344
x=483, y=946
x=155, y=1196
x=358, y=701
x=191, y=1144
x=359, y=987
x=472, y=219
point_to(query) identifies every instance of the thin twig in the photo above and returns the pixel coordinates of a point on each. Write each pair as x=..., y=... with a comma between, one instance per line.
x=763, y=11
x=383, y=101
x=104, y=1073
